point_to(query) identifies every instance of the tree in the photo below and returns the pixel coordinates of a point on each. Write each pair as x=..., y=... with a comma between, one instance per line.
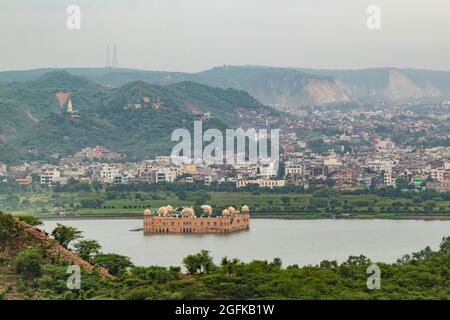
x=277, y=263
x=445, y=245
x=281, y=170
x=327, y=264
x=87, y=249
x=200, y=262
x=330, y=182
x=192, y=263
x=114, y=263
x=181, y=195
x=229, y=266
x=65, y=235
x=198, y=211
x=206, y=261
x=401, y=183
x=422, y=255
x=29, y=263
x=91, y=203
x=285, y=200
x=8, y=226
x=357, y=261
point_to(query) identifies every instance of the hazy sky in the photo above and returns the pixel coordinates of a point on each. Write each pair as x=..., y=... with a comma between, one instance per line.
x=193, y=35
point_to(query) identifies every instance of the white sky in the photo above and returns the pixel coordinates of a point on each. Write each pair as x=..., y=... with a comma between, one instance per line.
x=193, y=35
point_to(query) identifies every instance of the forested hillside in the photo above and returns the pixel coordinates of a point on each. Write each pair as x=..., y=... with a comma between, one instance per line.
x=29, y=270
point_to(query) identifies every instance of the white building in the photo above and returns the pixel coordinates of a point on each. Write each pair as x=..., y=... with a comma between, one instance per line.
x=74, y=172
x=332, y=163
x=51, y=175
x=380, y=165
x=109, y=173
x=388, y=179
x=384, y=145
x=267, y=183
x=438, y=174
x=447, y=166
x=293, y=169
x=165, y=175
x=3, y=169
x=268, y=169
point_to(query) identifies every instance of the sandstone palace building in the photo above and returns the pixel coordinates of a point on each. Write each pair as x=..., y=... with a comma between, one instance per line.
x=167, y=220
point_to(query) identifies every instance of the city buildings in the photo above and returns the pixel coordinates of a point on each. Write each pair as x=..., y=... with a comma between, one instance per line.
x=345, y=149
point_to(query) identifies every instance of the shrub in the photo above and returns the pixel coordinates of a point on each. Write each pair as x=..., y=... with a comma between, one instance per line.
x=8, y=227
x=29, y=263
x=32, y=220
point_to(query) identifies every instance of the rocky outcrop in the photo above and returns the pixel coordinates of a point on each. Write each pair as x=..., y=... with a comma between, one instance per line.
x=326, y=91
x=401, y=87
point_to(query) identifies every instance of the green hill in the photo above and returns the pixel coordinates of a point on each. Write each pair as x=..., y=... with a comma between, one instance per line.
x=136, y=119
x=13, y=117
x=38, y=96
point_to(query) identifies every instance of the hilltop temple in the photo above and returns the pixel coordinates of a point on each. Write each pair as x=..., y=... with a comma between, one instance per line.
x=167, y=220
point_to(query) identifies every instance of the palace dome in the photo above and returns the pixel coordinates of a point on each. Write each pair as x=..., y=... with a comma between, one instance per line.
x=207, y=209
x=162, y=211
x=147, y=212
x=225, y=212
x=232, y=210
x=187, y=212
x=170, y=209
x=245, y=209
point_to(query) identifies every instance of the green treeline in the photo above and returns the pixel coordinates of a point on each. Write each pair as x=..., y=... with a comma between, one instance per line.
x=76, y=199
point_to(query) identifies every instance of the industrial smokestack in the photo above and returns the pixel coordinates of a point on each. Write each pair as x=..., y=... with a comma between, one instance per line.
x=108, y=57
x=114, y=59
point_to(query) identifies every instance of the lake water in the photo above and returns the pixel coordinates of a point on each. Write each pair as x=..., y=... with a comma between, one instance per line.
x=299, y=242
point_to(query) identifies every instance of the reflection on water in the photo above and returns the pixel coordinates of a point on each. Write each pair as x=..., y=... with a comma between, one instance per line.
x=299, y=242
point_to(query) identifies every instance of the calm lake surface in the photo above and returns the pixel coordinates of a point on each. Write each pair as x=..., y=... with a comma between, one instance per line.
x=299, y=242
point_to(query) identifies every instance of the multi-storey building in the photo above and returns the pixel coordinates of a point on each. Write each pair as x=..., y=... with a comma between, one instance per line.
x=109, y=173
x=344, y=175
x=380, y=165
x=293, y=169
x=438, y=174
x=51, y=175
x=266, y=183
x=388, y=179
x=165, y=175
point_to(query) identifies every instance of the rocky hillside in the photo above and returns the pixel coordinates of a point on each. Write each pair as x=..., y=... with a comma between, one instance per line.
x=284, y=87
x=27, y=252
x=390, y=84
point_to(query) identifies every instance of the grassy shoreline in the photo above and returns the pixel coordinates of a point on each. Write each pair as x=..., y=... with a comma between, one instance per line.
x=318, y=205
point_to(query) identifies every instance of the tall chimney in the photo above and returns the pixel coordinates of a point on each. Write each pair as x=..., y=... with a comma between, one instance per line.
x=114, y=59
x=108, y=56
